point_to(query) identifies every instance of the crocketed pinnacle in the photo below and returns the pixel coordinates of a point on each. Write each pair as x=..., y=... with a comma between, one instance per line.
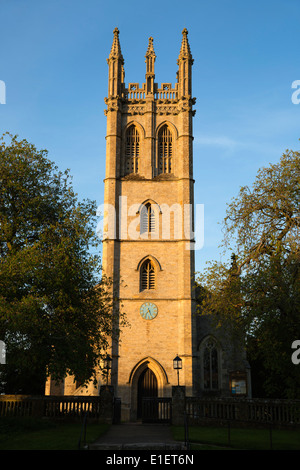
x=185, y=51
x=150, y=51
x=115, y=52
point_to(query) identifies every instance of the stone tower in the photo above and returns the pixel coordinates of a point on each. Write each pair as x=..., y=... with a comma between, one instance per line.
x=148, y=245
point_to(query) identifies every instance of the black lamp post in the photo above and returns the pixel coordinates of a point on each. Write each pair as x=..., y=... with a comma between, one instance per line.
x=107, y=365
x=177, y=365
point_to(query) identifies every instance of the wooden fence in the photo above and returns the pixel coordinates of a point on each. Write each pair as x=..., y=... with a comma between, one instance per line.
x=157, y=410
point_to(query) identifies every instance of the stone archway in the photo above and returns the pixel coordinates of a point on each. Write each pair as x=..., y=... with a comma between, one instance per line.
x=148, y=378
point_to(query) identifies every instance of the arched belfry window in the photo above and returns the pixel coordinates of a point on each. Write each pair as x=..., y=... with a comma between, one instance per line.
x=210, y=365
x=165, y=150
x=147, y=275
x=132, y=150
x=147, y=221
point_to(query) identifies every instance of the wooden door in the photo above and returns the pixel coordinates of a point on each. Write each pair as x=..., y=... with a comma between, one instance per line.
x=147, y=388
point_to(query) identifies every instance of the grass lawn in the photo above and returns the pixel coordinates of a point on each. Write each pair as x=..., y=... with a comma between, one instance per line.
x=31, y=434
x=206, y=438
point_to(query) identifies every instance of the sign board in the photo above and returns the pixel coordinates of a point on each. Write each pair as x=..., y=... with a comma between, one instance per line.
x=238, y=383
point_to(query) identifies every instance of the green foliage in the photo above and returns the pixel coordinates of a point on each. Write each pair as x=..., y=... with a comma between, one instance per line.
x=258, y=293
x=55, y=309
x=264, y=220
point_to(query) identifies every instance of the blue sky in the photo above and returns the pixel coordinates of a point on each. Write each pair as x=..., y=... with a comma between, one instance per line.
x=246, y=56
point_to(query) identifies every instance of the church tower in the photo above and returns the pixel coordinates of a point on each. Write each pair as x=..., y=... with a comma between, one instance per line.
x=148, y=246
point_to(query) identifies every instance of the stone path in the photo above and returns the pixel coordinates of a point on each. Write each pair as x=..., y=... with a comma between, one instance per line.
x=137, y=436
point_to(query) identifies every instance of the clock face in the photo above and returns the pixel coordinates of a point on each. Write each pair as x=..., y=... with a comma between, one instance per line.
x=148, y=311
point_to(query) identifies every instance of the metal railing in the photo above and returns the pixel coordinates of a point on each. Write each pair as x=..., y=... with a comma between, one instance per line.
x=82, y=438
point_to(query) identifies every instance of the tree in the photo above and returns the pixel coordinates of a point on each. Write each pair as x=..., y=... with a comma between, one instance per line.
x=260, y=297
x=266, y=219
x=55, y=309
x=273, y=313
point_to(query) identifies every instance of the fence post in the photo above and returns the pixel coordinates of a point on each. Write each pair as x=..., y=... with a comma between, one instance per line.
x=271, y=438
x=241, y=410
x=178, y=405
x=186, y=431
x=107, y=404
x=228, y=433
x=37, y=407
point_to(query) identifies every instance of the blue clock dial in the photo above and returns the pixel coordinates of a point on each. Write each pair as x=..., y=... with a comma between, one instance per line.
x=148, y=311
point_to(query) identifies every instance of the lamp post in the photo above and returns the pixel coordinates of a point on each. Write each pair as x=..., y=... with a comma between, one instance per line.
x=177, y=365
x=107, y=365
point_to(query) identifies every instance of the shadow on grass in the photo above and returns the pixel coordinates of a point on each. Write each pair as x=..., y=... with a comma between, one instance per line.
x=222, y=438
x=44, y=434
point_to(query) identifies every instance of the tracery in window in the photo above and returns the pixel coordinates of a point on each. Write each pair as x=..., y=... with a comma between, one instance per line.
x=147, y=221
x=147, y=275
x=165, y=150
x=132, y=150
x=210, y=365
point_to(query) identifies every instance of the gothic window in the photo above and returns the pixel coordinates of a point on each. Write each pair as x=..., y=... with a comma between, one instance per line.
x=165, y=150
x=132, y=150
x=147, y=221
x=147, y=275
x=210, y=365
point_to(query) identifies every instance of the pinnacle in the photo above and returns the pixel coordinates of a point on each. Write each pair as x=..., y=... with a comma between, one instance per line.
x=185, y=50
x=150, y=50
x=115, y=52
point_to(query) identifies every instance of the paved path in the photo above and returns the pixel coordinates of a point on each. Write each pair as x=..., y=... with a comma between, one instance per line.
x=137, y=436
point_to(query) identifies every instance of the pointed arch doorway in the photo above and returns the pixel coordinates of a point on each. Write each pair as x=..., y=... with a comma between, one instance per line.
x=146, y=388
x=148, y=379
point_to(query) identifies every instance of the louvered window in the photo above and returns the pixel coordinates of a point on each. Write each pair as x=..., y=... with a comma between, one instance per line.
x=165, y=150
x=147, y=274
x=132, y=151
x=147, y=223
